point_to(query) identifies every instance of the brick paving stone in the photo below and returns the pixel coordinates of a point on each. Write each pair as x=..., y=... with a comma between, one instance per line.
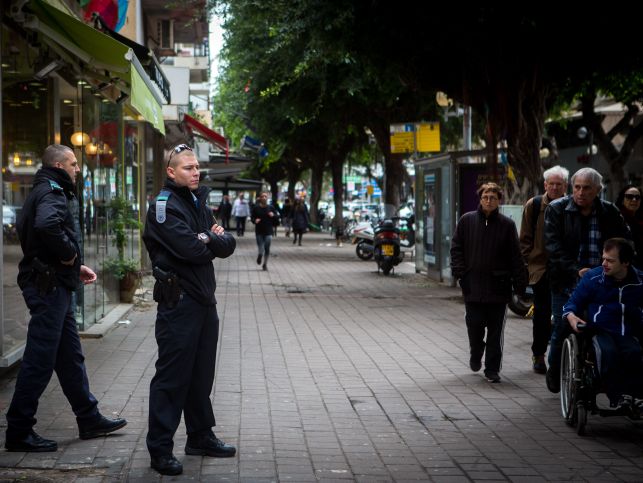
x=329, y=372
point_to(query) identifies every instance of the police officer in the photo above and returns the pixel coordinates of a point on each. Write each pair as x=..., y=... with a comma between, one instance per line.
x=182, y=240
x=48, y=274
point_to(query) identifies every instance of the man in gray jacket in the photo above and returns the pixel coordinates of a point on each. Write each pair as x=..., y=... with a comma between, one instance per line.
x=486, y=259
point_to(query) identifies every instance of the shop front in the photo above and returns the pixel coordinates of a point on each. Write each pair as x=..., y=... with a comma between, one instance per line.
x=64, y=82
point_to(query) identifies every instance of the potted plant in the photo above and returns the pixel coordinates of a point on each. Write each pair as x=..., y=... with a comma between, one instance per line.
x=125, y=270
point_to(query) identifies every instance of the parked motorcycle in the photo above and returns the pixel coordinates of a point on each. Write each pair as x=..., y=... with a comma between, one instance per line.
x=362, y=237
x=386, y=246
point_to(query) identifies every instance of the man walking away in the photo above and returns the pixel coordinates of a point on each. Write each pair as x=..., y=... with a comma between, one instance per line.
x=263, y=216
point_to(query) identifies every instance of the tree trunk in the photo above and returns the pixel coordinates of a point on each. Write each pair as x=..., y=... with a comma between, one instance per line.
x=393, y=167
x=336, y=168
x=316, y=181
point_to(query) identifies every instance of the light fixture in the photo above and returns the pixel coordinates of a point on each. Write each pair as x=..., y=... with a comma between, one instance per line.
x=48, y=69
x=442, y=99
x=91, y=149
x=79, y=138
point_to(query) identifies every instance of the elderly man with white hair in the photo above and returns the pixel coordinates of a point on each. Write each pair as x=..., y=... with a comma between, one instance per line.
x=532, y=247
x=576, y=226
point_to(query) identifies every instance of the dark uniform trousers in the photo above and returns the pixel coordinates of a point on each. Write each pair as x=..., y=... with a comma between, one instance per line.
x=187, y=342
x=52, y=345
x=489, y=316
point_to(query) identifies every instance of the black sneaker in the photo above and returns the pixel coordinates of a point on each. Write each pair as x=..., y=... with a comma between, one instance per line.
x=166, y=465
x=475, y=363
x=552, y=378
x=492, y=376
x=265, y=267
x=102, y=427
x=258, y=259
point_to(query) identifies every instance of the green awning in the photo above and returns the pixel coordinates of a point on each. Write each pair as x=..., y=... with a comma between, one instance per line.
x=99, y=51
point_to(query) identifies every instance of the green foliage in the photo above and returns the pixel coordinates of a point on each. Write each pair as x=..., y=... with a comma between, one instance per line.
x=119, y=267
x=122, y=219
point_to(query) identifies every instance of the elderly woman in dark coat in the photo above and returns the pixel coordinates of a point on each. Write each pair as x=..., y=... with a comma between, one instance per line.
x=629, y=202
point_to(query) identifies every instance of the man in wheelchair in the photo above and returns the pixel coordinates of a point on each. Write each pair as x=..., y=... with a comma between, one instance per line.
x=612, y=297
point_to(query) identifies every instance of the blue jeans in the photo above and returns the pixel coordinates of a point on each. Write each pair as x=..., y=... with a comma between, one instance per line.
x=263, y=245
x=560, y=329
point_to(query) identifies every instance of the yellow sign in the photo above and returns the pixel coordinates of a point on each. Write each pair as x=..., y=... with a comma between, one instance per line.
x=428, y=137
x=402, y=142
x=420, y=138
x=370, y=189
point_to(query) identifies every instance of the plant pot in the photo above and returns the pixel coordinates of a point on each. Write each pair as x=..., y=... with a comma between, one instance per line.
x=128, y=286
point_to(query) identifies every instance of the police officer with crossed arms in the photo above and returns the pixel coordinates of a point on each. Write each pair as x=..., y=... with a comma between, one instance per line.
x=49, y=272
x=183, y=238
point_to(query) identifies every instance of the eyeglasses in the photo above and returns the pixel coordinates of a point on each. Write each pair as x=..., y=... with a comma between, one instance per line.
x=633, y=197
x=489, y=198
x=178, y=149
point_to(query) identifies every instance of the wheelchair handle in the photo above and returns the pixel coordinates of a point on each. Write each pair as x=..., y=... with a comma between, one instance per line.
x=581, y=326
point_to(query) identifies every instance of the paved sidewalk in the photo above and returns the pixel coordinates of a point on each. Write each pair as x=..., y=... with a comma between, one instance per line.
x=330, y=372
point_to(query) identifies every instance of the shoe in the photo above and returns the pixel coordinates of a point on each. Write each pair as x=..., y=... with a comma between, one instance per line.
x=299, y=243
x=294, y=240
x=475, y=363
x=265, y=267
x=166, y=465
x=492, y=376
x=552, y=378
x=539, y=364
x=259, y=259
x=209, y=445
x=32, y=443
x=102, y=427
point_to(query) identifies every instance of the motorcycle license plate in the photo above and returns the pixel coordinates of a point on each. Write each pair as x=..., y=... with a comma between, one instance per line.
x=387, y=250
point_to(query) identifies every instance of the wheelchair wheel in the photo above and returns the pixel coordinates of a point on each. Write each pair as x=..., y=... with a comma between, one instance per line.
x=569, y=379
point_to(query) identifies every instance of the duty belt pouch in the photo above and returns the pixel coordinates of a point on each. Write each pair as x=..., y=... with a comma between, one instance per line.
x=46, y=281
x=166, y=288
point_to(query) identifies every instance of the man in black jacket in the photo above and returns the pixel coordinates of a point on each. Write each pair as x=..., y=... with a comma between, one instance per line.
x=263, y=216
x=50, y=270
x=576, y=227
x=182, y=240
x=485, y=258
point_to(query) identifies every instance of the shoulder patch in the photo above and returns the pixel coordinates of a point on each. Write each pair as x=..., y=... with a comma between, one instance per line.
x=161, y=204
x=55, y=186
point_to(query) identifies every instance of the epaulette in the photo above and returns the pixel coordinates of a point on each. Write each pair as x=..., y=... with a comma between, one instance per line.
x=161, y=203
x=55, y=186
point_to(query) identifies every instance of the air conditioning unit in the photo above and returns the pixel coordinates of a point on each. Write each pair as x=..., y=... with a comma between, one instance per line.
x=165, y=34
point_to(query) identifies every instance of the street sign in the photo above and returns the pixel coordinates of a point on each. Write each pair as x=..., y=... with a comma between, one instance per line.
x=428, y=137
x=420, y=137
x=402, y=138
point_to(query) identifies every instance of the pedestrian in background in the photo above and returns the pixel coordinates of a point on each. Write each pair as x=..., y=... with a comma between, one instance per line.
x=486, y=259
x=532, y=246
x=225, y=210
x=263, y=216
x=286, y=211
x=241, y=211
x=338, y=228
x=50, y=271
x=299, y=220
x=182, y=239
x=576, y=227
x=629, y=202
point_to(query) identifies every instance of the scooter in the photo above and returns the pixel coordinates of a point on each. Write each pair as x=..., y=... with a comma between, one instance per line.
x=362, y=237
x=386, y=247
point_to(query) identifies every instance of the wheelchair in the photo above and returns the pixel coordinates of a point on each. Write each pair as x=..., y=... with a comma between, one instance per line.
x=580, y=382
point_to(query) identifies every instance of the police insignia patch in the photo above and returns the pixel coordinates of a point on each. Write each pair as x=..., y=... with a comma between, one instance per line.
x=161, y=203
